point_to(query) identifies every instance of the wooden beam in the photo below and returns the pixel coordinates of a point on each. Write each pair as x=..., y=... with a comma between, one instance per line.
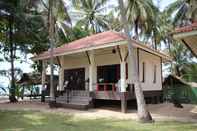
x=88, y=57
x=58, y=61
x=118, y=48
x=126, y=56
x=184, y=34
x=138, y=62
x=189, y=48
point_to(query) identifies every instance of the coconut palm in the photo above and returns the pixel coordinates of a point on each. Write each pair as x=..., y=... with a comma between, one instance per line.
x=141, y=14
x=114, y=22
x=143, y=113
x=57, y=21
x=91, y=13
x=158, y=30
x=184, y=10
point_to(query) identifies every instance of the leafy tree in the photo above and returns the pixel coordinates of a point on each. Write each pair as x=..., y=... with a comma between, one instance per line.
x=21, y=30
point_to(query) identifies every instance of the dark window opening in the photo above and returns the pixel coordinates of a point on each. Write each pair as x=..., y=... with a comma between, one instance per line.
x=143, y=71
x=108, y=74
x=155, y=73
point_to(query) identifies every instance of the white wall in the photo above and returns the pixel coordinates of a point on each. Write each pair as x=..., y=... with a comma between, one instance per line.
x=150, y=61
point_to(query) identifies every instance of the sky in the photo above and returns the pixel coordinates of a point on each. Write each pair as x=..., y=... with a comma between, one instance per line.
x=26, y=65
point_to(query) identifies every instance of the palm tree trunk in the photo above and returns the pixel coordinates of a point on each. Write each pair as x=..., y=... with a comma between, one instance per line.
x=12, y=96
x=143, y=113
x=51, y=40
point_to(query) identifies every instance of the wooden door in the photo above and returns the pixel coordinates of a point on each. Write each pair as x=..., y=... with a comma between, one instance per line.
x=75, y=78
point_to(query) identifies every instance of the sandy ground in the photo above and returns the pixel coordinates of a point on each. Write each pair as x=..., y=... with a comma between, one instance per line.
x=164, y=111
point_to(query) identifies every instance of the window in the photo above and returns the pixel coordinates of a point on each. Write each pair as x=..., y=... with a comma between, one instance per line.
x=155, y=73
x=143, y=71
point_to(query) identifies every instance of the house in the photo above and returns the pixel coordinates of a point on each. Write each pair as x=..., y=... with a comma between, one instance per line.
x=177, y=89
x=188, y=35
x=98, y=67
x=35, y=80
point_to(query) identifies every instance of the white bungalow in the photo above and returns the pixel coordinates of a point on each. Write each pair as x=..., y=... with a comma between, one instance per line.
x=92, y=68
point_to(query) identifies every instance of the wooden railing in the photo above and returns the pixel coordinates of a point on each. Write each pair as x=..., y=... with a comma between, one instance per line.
x=106, y=87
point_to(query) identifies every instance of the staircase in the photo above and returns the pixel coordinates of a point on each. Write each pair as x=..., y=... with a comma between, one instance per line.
x=76, y=99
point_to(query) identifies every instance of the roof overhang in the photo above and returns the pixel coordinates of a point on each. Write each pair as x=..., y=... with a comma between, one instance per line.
x=189, y=39
x=106, y=45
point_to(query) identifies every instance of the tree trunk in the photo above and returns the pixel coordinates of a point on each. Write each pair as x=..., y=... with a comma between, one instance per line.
x=12, y=96
x=143, y=113
x=51, y=40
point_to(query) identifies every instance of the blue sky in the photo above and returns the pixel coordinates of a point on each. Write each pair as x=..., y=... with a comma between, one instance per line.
x=26, y=66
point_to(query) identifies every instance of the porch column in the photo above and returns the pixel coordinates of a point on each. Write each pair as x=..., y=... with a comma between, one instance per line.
x=43, y=80
x=123, y=76
x=123, y=86
x=92, y=71
x=123, y=51
x=61, y=79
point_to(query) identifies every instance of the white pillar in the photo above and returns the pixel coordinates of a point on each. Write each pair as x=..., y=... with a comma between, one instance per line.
x=43, y=75
x=123, y=76
x=61, y=79
x=43, y=80
x=92, y=71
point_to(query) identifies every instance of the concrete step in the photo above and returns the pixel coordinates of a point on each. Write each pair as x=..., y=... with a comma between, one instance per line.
x=79, y=106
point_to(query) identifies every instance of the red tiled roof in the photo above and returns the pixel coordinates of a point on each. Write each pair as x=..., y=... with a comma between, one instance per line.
x=89, y=41
x=187, y=28
x=95, y=40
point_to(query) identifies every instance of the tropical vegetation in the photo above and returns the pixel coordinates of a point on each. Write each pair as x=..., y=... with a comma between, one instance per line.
x=33, y=26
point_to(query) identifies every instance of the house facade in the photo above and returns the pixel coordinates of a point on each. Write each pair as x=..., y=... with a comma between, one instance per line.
x=99, y=67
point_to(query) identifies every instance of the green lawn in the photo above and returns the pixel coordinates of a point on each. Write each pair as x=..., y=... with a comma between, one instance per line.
x=38, y=121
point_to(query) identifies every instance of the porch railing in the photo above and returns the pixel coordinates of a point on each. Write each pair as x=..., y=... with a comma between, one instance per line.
x=106, y=87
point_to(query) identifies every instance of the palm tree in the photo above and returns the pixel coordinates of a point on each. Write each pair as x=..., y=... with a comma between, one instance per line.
x=114, y=22
x=91, y=14
x=141, y=14
x=184, y=10
x=58, y=21
x=143, y=112
x=158, y=30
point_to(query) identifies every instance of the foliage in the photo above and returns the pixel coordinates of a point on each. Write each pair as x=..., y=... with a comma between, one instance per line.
x=189, y=72
x=3, y=89
x=141, y=14
x=114, y=22
x=181, y=57
x=91, y=14
x=183, y=10
x=76, y=33
x=7, y=73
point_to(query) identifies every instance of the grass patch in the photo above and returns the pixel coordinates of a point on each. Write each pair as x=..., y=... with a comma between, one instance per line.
x=39, y=121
